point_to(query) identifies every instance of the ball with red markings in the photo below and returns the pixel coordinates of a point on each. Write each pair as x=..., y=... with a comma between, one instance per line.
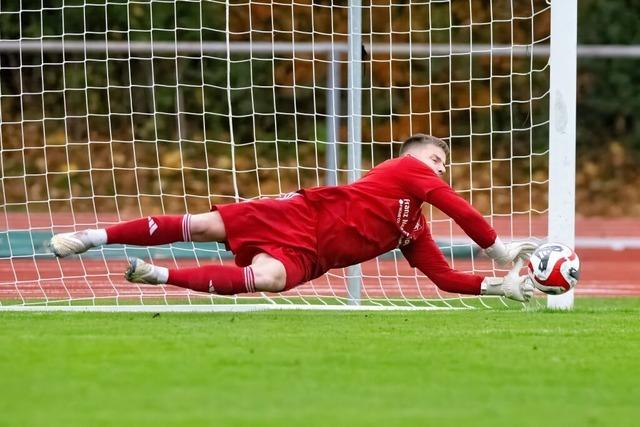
x=554, y=268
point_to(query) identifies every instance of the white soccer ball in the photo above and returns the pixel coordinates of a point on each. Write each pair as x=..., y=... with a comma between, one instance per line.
x=554, y=268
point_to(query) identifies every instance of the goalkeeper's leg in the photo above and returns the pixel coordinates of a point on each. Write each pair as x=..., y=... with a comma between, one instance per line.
x=149, y=231
x=264, y=274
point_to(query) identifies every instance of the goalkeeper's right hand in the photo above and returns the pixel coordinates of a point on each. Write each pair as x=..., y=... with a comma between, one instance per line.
x=510, y=252
x=512, y=285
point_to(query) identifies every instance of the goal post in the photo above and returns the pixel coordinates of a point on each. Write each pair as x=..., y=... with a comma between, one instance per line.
x=354, y=142
x=562, y=132
x=113, y=110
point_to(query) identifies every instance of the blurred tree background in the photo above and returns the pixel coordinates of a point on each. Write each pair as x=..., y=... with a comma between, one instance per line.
x=608, y=145
x=114, y=130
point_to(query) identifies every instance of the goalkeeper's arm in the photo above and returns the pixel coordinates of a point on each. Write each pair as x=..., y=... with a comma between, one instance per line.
x=476, y=227
x=423, y=253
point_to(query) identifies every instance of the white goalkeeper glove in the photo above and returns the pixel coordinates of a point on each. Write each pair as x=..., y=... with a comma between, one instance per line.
x=512, y=285
x=511, y=252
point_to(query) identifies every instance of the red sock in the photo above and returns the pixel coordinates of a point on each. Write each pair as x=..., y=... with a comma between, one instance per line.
x=215, y=279
x=152, y=230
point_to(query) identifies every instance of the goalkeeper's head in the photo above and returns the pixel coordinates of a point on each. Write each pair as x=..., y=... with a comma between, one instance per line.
x=428, y=149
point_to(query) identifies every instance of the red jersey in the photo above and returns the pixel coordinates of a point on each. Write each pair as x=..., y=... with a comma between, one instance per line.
x=382, y=211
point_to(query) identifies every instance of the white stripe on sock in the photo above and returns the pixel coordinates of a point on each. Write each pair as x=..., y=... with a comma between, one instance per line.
x=249, y=279
x=152, y=226
x=186, y=228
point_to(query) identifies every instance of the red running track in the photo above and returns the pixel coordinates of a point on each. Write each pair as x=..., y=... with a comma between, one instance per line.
x=603, y=273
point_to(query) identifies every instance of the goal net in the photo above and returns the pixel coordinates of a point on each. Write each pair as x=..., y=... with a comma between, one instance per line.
x=115, y=110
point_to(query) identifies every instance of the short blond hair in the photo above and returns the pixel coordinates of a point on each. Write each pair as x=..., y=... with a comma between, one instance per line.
x=423, y=139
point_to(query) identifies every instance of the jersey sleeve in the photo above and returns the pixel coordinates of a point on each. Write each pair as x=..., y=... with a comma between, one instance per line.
x=465, y=215
x=421, y=182
x=423, y=253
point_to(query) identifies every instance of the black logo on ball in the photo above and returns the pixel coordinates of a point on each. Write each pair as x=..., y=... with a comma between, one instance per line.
x=545, y=254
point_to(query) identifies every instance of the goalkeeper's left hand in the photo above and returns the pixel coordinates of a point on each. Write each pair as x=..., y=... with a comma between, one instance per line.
x=511, y=252
x=513, y=286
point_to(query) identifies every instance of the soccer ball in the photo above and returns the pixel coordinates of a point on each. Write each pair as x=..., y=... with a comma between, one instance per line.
x=554, y=268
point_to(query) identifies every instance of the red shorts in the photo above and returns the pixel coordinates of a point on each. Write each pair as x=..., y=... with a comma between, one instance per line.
x=284, y=228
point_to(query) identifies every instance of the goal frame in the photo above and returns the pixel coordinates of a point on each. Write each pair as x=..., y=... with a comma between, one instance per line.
x=562, y=140
x=562, y=132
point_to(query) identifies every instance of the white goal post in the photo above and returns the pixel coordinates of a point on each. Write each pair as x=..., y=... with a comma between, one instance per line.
x=113, y=110
x=562, y=132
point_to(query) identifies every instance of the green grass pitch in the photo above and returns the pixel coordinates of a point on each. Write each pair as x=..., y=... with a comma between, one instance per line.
x=476, y=367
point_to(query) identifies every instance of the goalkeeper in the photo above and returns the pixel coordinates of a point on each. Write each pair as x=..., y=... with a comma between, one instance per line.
x=281, y=243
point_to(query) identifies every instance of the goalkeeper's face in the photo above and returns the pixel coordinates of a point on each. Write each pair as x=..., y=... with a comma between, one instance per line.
x=434, y=157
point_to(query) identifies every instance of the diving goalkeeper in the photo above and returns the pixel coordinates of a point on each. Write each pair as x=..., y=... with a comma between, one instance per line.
x=283, y=242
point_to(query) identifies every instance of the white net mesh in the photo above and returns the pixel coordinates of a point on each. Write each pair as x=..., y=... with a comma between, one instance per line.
x=115, y=110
